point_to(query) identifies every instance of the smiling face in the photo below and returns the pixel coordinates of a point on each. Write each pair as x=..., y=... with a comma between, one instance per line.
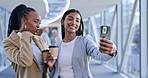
x=71, y=22
x=32, y=22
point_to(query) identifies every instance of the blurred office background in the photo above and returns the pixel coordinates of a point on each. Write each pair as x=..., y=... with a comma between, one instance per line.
x=128, y=20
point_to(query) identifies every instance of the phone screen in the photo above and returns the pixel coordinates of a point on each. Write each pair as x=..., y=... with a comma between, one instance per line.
x=105, y=31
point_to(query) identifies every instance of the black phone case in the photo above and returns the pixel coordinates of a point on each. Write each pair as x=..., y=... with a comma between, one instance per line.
x=105, y=32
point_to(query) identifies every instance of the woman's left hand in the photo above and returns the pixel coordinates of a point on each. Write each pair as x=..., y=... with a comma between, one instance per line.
x=107, y=47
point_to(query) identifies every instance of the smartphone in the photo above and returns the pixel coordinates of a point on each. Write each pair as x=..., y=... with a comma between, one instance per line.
x=105, y=31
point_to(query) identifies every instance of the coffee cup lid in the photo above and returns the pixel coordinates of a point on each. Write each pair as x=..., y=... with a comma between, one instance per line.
x=45, y=51
x=53, y=46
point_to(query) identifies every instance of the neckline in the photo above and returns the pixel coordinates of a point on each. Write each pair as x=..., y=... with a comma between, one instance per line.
x=70, y=41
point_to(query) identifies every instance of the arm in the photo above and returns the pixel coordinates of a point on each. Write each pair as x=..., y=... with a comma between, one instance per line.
x=21, y=55
x=93, y=51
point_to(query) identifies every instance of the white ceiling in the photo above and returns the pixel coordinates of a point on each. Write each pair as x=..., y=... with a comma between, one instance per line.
x=89, y=8
x=92, y=7
x=86, y=7
x=39, y=5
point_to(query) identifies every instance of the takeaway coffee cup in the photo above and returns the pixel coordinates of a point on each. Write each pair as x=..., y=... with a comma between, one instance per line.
x=44, y=54
x=54, y=51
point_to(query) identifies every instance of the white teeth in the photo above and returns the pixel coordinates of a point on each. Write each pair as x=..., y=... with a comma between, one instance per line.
x=72, y=27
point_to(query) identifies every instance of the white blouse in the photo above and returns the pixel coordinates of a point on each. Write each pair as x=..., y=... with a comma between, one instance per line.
x=65, y=59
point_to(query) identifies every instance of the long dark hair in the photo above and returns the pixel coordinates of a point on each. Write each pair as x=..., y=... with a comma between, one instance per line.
x=19, y=12
x=81, y=28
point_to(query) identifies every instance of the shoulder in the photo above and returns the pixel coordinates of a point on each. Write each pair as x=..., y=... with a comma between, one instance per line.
x=85, y=38
x=8, y=42
x=12, y=38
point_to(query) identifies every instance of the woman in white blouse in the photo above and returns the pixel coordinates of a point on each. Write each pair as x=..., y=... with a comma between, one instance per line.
x=75, y=49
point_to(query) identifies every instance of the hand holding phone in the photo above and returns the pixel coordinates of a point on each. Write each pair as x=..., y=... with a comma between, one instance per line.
x=104, y=33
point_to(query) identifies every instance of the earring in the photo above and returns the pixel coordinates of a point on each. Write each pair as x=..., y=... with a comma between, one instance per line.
x=23, y=27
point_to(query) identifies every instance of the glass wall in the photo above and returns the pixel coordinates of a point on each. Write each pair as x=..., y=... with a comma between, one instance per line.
x=86, y=23
x=4, y=15
x=109, y=18
x=106, y=18
x=98, y=21
x=130, y=33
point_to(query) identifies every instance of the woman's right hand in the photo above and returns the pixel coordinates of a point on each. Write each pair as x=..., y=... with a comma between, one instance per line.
x=50, y=61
